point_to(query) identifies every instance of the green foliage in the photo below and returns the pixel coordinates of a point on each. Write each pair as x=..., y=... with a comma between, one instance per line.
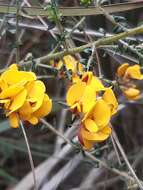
x=53, y=13
x=86, y=2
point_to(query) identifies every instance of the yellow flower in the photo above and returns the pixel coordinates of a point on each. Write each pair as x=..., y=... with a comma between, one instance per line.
x=122, y=69
x=13, y=76
x=132, y=72
x=71, y=64
x=132, y=93
x=88, y=138
x=95, y=123
x=92, y=81
x=82, y=95
x=23, y=96
x=125, y=73
x=95, y=127
x=96, y=108
x=111, y=100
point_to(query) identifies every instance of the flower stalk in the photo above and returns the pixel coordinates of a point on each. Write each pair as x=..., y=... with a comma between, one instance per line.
x=29, y=155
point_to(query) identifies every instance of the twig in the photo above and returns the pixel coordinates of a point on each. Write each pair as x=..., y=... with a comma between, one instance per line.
x=41, y=20
x=70, y=11
x=55, y=131
x=17, y=32
x=126, y=160
x=89, y=155
x=90, y=58
x=60, y=127
x=98, y=43
x=61, y=175
x=30, y=155
x=116, y=151
x=98, y=63
x=112, y=20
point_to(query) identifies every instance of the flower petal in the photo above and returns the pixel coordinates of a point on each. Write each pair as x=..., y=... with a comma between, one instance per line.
x=99, y=136
x=106, y=130
x=92, y=81
x=75, y=92
x=134, y=72
x=33, y=120
x=14, y=120
x=18, y=101
x=3, y=85
x=11, y=91
x=90, y=125
x=88, y=99
x=45, y=107
x=13, y=67
x=76, y=108
x=132, y=93
x=101, y=113
x=96, y=84
x=87, y=77
x=25, y=111
x=70, y=63
x=87, y=144
x=111, y=100
x=37, y=92
x=122, y=69
x=13, y=76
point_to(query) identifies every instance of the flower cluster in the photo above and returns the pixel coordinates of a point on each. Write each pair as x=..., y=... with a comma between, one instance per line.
x=95, y=104
x=126, y=74
x=69, y=63
x=23, y=97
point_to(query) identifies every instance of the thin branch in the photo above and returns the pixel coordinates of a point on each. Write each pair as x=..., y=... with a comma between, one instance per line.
x=113, y=21
x=71, y=11
x=30, y=155
x=17, y=32
x=89, y=155
x=126, y=160
x=63, y=173
x=116, y=150
x=98, y=43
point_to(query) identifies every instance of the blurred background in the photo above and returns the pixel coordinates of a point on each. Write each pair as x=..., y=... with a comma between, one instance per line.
x=58, y=166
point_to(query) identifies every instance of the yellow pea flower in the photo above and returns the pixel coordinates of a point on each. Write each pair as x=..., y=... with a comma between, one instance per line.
x=88, y=138
x=45, y=107
x=122, y=69
x=71, y=64
x=23, y=96
x=14, y=120
x=110, y=99
x=132, y=93
x=82, y=95
x=125, y=73
x=92, y=81
x=94, y=127
x=18, y=101
x=36, y=94
x=75, y=93
x=101, y=113
x=13, y=76
x=132, y=72
x=96, y=108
